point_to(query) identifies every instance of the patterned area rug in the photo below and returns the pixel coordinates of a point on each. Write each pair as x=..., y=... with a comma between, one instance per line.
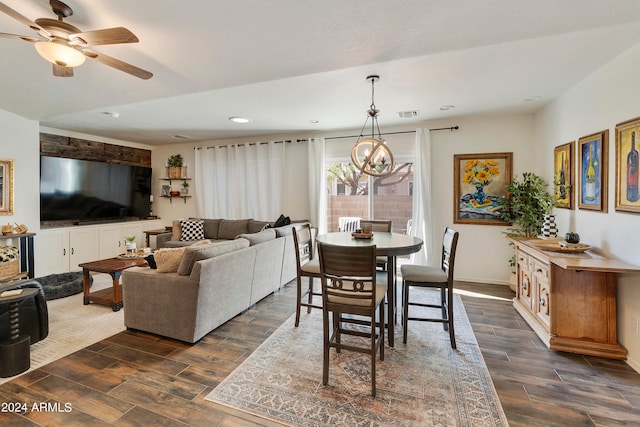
x=74, y=326
x=422, y=383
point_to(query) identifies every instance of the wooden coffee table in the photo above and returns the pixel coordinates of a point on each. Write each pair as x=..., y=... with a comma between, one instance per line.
x=113, y=267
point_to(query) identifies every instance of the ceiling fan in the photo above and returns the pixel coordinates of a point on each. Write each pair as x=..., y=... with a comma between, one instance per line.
x=65, y=46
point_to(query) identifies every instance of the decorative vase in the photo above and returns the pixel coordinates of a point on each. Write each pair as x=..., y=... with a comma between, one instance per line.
x=175, y=172
x=479, y=195
x=131, y=248
x=549, y=228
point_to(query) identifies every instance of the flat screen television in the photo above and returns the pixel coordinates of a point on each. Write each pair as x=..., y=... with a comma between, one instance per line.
x=85, y=191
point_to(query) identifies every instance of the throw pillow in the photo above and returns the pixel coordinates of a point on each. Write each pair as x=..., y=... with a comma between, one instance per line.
x=168, y=259
x=262, y=236
x=192, y=229
x=151, y=261
x=282, y=220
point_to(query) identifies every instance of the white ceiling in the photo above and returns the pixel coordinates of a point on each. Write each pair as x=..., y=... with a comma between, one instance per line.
x=284, y=63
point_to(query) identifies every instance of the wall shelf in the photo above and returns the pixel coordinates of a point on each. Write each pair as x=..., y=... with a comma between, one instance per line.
x=183, y=196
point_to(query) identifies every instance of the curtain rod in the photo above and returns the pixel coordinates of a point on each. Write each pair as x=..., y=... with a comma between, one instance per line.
x=286, y=141
x=451, y=128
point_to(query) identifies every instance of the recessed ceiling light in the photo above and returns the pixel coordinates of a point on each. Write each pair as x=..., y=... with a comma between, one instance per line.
x=111, y=114
x=314, y=121
x=447, y=107
x=237, y=119
x=531, y=99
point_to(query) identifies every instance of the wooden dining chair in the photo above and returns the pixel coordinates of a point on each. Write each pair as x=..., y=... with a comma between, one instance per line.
x=349, y=287
x=379, y=225
x=306, y=267
x=432, y=277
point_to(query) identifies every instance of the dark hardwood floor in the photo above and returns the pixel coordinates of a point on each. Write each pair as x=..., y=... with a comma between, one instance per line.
x=137, y=379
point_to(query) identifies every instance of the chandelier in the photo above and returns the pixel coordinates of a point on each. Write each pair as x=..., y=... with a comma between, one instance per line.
x=372, y=155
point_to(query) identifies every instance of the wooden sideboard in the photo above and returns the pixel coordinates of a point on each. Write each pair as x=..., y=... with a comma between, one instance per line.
x=569, y=299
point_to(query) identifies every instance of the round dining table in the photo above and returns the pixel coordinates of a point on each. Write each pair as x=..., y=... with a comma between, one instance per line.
x=387, y=244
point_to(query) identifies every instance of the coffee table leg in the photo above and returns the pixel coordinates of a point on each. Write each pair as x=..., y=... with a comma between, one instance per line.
x=117, y=295
x=85, y=285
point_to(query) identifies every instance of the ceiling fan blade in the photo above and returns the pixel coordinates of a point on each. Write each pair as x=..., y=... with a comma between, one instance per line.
x=17, y=36
x=61, y=71
x=114, y=35
x=23, y=19
x=117, y=64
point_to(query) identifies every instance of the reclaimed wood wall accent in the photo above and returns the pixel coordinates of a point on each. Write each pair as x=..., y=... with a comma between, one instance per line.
x=83, y=149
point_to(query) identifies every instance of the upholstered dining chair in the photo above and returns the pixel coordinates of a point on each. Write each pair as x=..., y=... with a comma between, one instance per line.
x=307, y=266
x=380, y=225
x=432, y=277
x=349, y=287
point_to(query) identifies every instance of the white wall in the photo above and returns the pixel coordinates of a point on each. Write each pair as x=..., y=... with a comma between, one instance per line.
x=20, y=143
x=605, y=98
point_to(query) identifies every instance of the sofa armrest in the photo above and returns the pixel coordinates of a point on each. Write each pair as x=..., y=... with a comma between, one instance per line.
x=161, y=239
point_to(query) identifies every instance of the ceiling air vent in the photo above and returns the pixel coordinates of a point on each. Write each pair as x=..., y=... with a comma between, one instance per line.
x=408, y=114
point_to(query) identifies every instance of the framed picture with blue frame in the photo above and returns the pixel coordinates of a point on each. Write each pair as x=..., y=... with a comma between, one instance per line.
x=592, y=176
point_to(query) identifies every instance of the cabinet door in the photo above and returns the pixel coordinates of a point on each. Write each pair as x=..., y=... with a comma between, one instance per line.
x=111, y=241
x=83, y=247
x=542, y=300
x=52, y=252
x=524, y=279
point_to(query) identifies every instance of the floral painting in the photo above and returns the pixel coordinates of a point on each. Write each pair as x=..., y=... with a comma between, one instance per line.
x=479, y=185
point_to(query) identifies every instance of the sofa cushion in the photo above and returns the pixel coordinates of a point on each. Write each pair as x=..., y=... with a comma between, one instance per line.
x=230, y=228
x=195, y=253
x=192, y=229
x=262, y=236
x=256, y=226
x=168, y=259
x=176, y=230
x=211, y=227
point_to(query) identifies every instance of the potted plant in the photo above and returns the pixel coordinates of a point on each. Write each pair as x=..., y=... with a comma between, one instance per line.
x=130, y=246
x=527, y=203
x=185, y=187
x=174, y=163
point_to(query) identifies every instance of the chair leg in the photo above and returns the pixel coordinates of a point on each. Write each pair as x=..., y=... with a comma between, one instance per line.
x=310, y=295
x=382, y=332
x=443, y=307
x=325, y=348
x=405, y=310
x=452, y=335
x=298, y=305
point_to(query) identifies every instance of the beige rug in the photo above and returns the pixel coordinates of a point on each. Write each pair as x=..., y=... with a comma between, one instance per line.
x=423, y=383
x=74, y=326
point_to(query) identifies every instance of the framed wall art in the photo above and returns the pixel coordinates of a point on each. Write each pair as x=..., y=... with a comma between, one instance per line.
x=563, y=173
x=479, y=187
x=6, y=187
x=593, y=157
x=627, y=139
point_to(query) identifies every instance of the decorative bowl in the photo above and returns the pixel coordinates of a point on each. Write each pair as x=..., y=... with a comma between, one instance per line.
x=174, y=193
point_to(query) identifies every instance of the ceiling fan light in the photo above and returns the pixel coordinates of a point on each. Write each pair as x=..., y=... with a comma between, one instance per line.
x=58, y=52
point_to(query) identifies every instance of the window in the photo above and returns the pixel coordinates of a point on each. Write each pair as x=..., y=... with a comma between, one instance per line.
x=391, y=196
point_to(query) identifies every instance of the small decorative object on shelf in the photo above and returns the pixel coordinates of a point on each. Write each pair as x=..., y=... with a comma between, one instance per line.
x=7, y=229
x=549, y=228
x=130, y=246
x=572, y=237
x=20, y=228
x=174, y=166
x=174, y=193
x=185, y=187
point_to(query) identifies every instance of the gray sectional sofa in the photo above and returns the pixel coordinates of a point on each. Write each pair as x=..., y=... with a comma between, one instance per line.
x=214, y=282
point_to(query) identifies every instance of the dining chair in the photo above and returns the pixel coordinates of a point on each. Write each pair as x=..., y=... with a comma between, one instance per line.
x=307, y=266
x=422, y=276
x=380, y=225
x=349, y=287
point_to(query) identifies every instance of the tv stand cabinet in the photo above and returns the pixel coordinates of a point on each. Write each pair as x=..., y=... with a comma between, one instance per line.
x=569, y=299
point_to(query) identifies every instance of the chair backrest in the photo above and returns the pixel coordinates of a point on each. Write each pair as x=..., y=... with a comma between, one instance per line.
x=380, y=225
x=303, y=243
x=348, y=223
x=348, y=275
x=449, y=245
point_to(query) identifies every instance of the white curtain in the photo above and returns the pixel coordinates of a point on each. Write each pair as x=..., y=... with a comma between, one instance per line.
x=422, y=203
x=240, y=181
x=317, y=184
